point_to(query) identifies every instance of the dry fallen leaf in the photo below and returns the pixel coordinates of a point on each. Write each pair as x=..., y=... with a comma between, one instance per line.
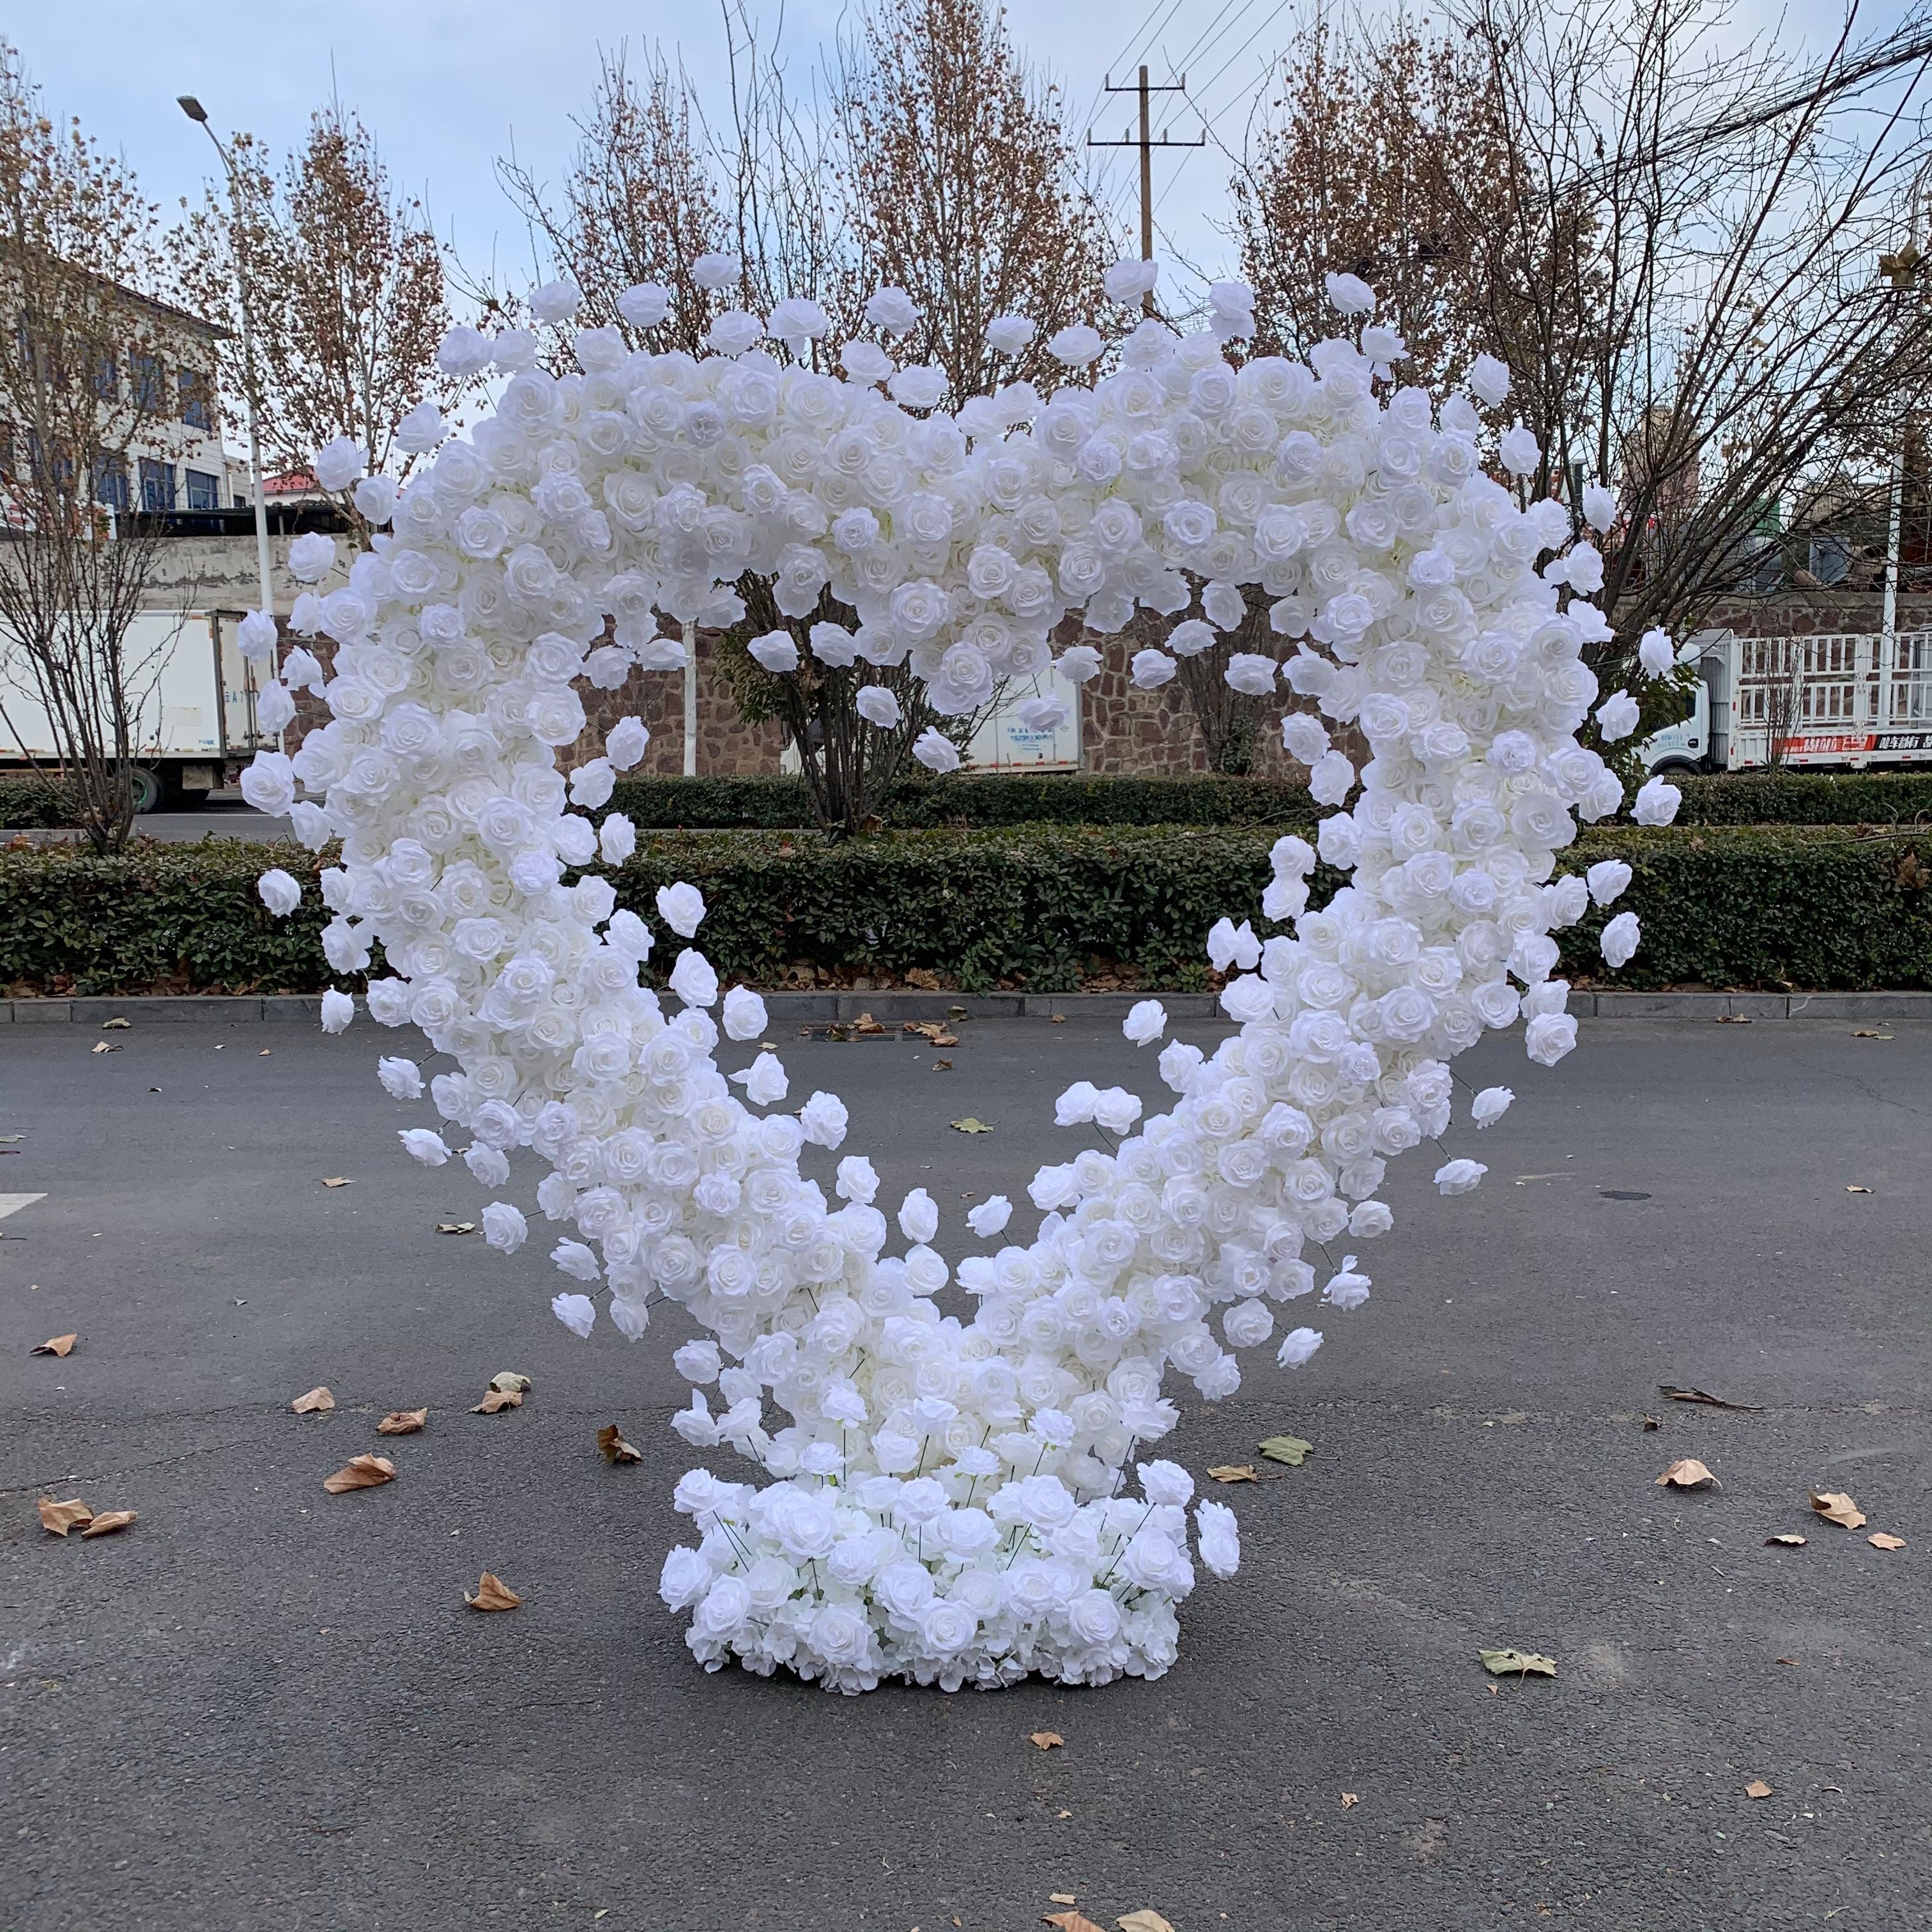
x=1517, y=1664
x=456, y=1227
x=1290, y=1449
x=338, y=1180
x=1757, y=1788
x=1787, y=1539
x=499, y=1399
x=107, y=1522
x=1703, y=1396
x=1879, y=1540
x=111, y=1026
x=1651, y=1422
x=492, y=1594
x=1350, y=1799
x=942, y=1066
x=61, y=1345
x=1145, y=1920
x=1734, y=1019
x=402, y=1422
x=970, y=1126
x=317, y=1402
x=1687, y=1473
x=361, y=1472
x=1063, y=1898
x=106, y=1046
x=510, y=1382
x=1047, y=1740
x=1059, y=1019
x=1235, y=1472
x=610, y=1440
x=1853, y=1187
x=1834, y=1506
x=1868, y=1032
x=61, y=1517
x=1068, y=1921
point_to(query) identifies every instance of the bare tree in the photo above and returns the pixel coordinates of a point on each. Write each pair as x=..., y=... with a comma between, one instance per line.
x=639, y=203
x=961, y=187
x=1685, y=287
x=91, y=381
x=348, y=288
x=1363, y=165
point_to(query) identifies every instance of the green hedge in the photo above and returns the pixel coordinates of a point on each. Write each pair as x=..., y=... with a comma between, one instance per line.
x=1042, y=908
x=1806, y=798
x=983, y=801
x=29, y=802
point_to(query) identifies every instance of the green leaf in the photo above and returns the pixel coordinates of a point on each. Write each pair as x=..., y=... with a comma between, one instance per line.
x=970, y=1126
x=1517, y=1664
x=1286, y=1449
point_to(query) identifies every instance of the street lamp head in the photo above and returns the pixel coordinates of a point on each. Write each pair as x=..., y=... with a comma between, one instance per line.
x=193, y=108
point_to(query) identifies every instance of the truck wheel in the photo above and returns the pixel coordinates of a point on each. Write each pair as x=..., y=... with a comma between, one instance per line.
x=147, y=789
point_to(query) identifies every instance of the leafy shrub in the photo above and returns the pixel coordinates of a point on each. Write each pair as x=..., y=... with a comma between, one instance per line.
x=990, y=800
x=1806, y=798
x=30, y=802
x=1044, y=908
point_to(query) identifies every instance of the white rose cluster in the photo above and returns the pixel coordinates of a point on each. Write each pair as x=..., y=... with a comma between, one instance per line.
x=948, y=1500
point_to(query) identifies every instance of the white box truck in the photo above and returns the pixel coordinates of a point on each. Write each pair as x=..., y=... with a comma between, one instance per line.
x=195, y=694
x=1851, y=700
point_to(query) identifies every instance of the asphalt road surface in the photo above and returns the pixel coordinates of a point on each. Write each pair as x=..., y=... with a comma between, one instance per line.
x=266, y=1706
x=227, y=818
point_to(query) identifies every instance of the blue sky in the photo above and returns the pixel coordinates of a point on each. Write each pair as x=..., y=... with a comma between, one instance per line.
x=446, y=87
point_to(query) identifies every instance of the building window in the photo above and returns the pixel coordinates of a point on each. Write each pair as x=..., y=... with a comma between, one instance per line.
x=111, y=488
x=204, y=491
x=106, y=377
x=147, y=374
x=157, y=485
x=195, y=408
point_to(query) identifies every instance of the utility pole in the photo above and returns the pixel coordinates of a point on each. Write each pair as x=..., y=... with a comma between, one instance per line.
x=1147, y=144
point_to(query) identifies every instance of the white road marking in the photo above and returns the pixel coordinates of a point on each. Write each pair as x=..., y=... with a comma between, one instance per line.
x=12, y=1204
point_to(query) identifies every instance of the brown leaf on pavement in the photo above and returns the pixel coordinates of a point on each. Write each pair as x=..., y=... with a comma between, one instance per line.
x=1834, y=1506
x=361, y=1472
x=106, y=1046
x=1853, y=1187
x=1068, y=1921
x=1703, y=1396
x=456, y=1227
x=1788, y=1540
x=107, y=1522
x=402, y=1422
x=510, y=1382
x=1757, y=1788
x=1145, y=1920
x=317, y=1402
x=1047, y=1740
x=1880, y=1540
x=1687, y=1473
x=492, y=1594
x=61, y=1345
x=610, y=1440
x=499, y=1399
x=115, y=1025
x=1350, y=1800
x=61, y=1517
x=338, y=1180
x=1235, y=1472
x=1063, y=1898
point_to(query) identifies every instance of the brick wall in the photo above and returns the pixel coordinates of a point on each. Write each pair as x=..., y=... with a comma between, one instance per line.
x=1810, y=613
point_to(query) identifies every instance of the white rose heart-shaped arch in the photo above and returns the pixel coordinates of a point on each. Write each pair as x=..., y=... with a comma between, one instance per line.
x=949, y=1500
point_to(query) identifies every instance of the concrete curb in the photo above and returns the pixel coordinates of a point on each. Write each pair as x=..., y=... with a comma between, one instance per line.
x=793, y=1008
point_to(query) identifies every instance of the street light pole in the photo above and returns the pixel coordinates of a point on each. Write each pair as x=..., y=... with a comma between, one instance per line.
x=1901, y=270
x=195, y=111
